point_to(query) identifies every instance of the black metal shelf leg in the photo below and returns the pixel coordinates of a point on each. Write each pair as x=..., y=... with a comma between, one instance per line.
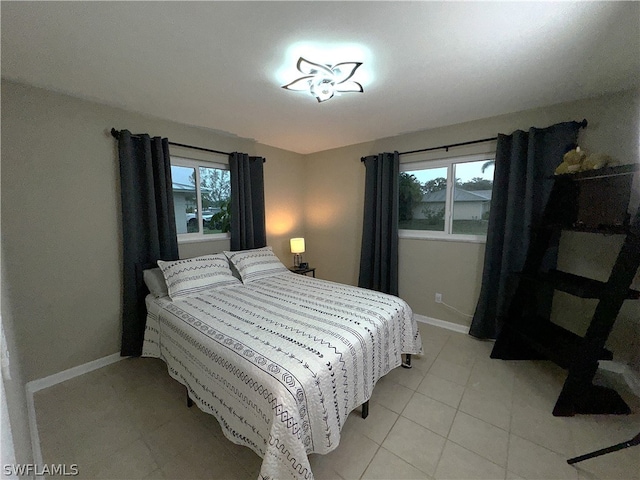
x=614, y=448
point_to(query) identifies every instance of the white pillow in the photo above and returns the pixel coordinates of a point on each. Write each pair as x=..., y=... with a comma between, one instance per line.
x=154, y=280
x=256, y=264
x=191, y=276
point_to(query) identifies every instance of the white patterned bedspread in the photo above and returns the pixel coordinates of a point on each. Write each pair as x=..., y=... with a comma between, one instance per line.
x=281, y=362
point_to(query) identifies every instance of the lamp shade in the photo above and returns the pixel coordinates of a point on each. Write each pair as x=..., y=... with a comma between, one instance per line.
x=297, y=245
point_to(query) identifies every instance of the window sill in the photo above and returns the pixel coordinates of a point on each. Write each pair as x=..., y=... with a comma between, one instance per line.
x=441, y=237
x=214, y=237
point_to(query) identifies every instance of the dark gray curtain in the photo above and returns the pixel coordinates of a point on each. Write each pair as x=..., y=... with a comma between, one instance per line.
x=248, y=228
x=520, y=192
x=379, y=253
x=148, y=225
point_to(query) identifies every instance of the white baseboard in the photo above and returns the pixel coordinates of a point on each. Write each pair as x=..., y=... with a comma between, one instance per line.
x=631, y=377
x=33, y=428
x=633, y=380
x=51, y=380
x=65, y=375
x=456, y=327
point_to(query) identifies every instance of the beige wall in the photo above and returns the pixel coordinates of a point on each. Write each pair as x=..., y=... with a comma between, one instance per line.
x=61, y=219
x=283, y=202
x=334, y=186
x=335, y=193
x=591, y=256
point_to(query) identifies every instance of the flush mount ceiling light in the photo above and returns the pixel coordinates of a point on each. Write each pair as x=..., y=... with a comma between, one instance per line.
x=323, y=81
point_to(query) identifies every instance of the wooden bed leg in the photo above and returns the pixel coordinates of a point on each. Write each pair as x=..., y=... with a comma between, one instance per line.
x=365, y=409
x=189, y=401
x=407, y=361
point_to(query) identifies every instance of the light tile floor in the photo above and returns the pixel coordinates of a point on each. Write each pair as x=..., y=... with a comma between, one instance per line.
x=456, y=415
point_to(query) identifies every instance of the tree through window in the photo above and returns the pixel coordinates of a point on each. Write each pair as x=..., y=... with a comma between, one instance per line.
x=454, y=196
x=201, y=196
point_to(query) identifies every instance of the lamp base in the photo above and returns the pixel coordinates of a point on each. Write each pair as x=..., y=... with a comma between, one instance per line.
x=297, y=259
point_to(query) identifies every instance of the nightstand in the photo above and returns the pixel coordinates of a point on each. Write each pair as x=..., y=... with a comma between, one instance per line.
x=303, y=271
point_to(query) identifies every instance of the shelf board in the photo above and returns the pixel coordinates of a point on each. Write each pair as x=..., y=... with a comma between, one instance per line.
x=601, y=229
x=604, y=172
x=579, y=286
x=551, y=341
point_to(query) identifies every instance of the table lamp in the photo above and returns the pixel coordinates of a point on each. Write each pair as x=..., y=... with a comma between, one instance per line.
x=297, y=247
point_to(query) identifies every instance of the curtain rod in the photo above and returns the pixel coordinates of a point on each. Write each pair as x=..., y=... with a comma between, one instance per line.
x=583, y=124
x=115, y=133
x=447, y=147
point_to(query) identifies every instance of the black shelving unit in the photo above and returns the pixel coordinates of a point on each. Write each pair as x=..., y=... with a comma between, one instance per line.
x=595, y=202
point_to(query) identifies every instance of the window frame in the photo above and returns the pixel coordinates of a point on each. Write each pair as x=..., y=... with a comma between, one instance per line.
x=199, y=236
x=449, y=163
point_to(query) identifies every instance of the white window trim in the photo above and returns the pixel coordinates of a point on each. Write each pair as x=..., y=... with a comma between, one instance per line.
x=193, y=163
x=448, y=162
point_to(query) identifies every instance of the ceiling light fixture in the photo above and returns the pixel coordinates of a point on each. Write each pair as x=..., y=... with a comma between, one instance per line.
x=323, y=81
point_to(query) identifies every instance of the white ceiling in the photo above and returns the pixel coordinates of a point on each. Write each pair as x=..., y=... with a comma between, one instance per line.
x=220, y=65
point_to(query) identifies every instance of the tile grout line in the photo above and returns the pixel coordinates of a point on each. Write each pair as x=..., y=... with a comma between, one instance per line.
x=513, y=387
x=427, y=373
x=385, y=437
x=507, y=431
x=454, y=419
x=447, y=439
x=392, y=453
x=396, y=421
x=368, y=464
x=435, y=468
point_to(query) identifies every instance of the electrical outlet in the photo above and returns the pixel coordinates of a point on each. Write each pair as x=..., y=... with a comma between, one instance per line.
x=438, y=298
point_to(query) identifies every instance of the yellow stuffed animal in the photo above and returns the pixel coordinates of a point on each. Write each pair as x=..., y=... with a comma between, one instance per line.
x=596, y=161
x=571, y=162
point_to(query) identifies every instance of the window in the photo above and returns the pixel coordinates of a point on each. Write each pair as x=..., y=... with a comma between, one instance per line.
x=448, y=198
x=201, y=195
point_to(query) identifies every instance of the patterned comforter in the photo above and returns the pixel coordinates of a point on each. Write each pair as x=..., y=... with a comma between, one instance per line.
x=282, y=361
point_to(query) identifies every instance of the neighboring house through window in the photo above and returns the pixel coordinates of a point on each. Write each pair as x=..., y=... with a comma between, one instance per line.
x=201, y=195
x=446, y=198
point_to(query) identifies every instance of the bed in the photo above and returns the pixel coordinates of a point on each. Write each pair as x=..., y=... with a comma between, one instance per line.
x=280, y=359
